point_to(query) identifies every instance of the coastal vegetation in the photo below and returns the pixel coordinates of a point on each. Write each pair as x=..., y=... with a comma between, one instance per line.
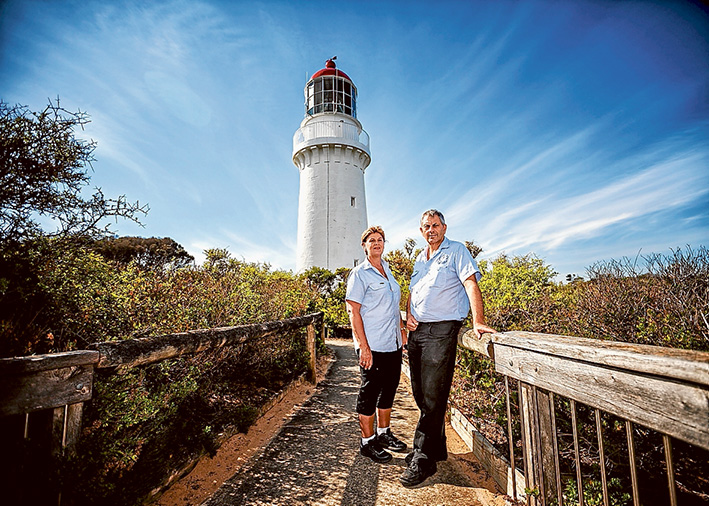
x=67, y=281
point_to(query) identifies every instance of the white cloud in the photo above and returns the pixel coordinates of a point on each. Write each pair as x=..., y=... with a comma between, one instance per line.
x=549, y=223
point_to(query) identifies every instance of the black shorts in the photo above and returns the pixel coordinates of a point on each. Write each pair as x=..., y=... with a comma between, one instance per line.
x=379, y=383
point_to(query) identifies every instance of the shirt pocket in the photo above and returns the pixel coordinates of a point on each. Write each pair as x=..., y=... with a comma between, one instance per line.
x=441, y=273
x=376, y=286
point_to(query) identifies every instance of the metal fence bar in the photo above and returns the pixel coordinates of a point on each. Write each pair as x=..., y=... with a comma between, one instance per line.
x=602, y=456
x=631, y=456
x=511, y=439
x=667, y=440
x=579, y=480
x=557, y=466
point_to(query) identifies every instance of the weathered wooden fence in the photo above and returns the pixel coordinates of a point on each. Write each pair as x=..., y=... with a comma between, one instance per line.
x=43, y=396
x=663, y=389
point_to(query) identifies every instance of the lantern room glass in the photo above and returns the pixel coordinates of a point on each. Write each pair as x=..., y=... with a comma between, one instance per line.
x=331, y=94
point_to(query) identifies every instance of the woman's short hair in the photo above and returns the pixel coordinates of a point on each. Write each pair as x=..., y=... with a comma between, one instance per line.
x=371, y=230
x=433, y=213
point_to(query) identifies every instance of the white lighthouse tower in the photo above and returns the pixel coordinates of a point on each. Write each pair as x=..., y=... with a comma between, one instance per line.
x=331, y=151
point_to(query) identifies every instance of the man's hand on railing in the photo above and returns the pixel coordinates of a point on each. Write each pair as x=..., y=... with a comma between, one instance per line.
x=481, y=329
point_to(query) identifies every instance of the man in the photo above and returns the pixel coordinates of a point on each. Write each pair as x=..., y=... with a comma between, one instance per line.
x=444, y=287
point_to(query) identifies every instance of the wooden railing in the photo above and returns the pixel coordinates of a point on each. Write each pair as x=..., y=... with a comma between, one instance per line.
x=59, y=384
x=663, y=389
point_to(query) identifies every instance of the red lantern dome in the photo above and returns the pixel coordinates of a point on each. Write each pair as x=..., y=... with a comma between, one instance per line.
x=330, y=70
x=330, y=91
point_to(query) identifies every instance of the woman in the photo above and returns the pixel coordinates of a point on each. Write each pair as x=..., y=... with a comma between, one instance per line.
x=379, y=334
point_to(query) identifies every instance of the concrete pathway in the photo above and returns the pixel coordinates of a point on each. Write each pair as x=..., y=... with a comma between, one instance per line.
x=314, y=459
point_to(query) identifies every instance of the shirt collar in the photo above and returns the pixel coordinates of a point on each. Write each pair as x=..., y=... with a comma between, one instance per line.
x=445, y=244
x=368, y=264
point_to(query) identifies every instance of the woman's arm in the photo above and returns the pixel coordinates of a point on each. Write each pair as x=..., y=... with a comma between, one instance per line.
x=365, y=353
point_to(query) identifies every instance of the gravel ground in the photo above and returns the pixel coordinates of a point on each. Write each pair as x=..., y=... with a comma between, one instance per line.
x=314, y=458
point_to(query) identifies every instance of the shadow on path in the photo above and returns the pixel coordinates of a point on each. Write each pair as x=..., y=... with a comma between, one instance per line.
x=314, y=459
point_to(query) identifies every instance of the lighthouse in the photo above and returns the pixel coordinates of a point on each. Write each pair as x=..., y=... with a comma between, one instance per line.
x=331, y=152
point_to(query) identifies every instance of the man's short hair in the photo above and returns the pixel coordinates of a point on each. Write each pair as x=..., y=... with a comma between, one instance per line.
x=433, y=213
x=372, y=230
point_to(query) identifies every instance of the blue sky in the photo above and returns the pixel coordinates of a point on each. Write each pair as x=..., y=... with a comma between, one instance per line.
x=577, y=131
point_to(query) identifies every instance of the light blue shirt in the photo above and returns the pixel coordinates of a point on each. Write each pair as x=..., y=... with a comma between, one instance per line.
x=379, y=297
x=437, y=292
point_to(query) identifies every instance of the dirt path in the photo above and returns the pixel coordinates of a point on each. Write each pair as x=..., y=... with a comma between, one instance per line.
x=304, y=451
x=211, y=472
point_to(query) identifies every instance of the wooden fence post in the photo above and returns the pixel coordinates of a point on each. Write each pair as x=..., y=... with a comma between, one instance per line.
x=529, y=451
x=547, y=467
x=310, y=344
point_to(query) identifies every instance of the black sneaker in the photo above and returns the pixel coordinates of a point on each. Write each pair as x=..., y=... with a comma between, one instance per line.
x=409, y=457
x=417, y=472
x=390, y=442
x=374, y=452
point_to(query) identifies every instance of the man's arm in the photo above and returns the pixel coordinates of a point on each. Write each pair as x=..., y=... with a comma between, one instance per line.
x=476, y=305
x=365, y=353
x=411, y=323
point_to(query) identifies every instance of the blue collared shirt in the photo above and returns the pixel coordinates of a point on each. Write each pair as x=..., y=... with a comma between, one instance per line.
x=437, y=292
x=379, y=297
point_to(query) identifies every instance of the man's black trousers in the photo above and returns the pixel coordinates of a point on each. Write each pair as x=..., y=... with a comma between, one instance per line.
x=432, y=350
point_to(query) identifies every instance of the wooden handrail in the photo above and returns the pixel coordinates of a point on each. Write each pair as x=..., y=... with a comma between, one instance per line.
x=675, y=363
x=45, y=381
x=137, y=352
x=664, y=389
x=59, y=384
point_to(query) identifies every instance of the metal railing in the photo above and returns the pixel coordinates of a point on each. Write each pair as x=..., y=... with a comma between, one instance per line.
x=662, y=389
x=330, y=131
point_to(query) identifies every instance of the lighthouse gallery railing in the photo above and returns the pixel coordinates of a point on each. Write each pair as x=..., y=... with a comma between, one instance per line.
x=339, y=129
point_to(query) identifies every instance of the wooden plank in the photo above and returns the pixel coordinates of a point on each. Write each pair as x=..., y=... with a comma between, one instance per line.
x=45, y=389
x=674, y=363
x=312, y=373
x=491, y=459
x=135, y=352
x=56, y=444
x=468, y=339
x=73, y=427
x=548, y=450
x=529, y=441
x=35, y=363
x=675, y=407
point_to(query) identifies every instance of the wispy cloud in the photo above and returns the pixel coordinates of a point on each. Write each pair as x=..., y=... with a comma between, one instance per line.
x=535, y=126
x=547, y=224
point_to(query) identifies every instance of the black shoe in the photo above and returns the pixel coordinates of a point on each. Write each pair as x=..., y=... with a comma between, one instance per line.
x=417, y=472
x=374, y=452
x=409, y=457
x=391, y=442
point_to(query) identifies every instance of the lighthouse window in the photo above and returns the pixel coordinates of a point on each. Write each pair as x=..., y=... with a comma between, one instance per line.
x=331, y=94
x=353, y=202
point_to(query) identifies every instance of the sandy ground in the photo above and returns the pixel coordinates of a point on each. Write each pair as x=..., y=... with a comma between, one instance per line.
x=210, y=473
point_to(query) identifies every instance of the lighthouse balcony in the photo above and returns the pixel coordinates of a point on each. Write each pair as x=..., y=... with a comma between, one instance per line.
x=329, y=132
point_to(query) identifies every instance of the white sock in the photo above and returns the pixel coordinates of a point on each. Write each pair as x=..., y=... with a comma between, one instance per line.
x=382, y=430
x=366, y=440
